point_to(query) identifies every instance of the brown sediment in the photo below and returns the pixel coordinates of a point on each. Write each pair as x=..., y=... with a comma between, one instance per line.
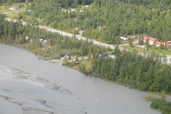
x=12, y=100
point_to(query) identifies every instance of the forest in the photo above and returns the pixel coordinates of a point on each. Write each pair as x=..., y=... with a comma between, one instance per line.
x=16, y=33
x=117, y=18
x=134, y=70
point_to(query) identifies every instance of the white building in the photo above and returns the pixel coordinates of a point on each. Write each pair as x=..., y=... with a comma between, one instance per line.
x=123, y=38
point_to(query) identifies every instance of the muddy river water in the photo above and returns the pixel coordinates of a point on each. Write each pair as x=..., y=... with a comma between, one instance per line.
x=29, y=85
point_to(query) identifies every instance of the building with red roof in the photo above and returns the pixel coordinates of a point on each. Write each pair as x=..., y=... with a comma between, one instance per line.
x=159, y=43
x=13, y=8
x=151, y=39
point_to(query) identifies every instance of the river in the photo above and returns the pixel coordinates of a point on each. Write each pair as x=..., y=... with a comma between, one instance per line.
x=89, y=94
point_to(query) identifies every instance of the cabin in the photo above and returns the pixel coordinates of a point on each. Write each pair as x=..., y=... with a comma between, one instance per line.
x=67, y=57
x=86, y=6
x=41, y=40
x=101, y=28
x=123, y=38
x=13, y=8
x=72, y=9
x=151, y=40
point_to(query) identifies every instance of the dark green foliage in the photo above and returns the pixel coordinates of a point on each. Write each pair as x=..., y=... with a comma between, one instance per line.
x=15, y=33
x=134, y=70
x=120, y=17
x=160, y=103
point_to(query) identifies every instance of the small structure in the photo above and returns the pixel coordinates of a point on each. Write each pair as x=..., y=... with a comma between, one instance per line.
x=86, y=6
x=102, y=55
x=41, y=40
x=81, y=11
x=26, y=38
x=76, y=63
x=111, y=57
x=44, y=41
x=67, y=57
x=28, y=10
x=151, y=39
x=101, y=28
x=72, y=9
x=127, y=40
x=134, y=37
x=31, y=40
x=123, y=38
x=159, y=43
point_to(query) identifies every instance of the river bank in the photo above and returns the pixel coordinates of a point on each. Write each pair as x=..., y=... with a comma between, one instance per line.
x=75, y=67
x=96, y=95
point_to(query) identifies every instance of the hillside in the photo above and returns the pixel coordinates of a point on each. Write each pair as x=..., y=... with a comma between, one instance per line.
x=119, y=17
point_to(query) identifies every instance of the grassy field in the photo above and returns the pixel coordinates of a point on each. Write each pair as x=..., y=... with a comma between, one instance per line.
x=163, y=51
x=87, y=63
x=2, y=9
x=10, y=13
x=140, y=50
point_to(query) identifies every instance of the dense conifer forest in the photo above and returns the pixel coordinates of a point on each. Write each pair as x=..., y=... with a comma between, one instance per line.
x=117, y=17
x=134, y=70
x=16, y=33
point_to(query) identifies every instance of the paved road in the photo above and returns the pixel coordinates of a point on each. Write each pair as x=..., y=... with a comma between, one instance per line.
x=84, y=38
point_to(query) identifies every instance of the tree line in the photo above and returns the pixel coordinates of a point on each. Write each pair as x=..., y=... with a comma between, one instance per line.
x=134, y=70
x=16, y=33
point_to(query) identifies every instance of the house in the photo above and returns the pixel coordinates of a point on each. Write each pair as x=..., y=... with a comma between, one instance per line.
x=41, y=40
x=151, y=39
x=168, y=45
x=123, y=38
x=13, y=8
x=76, y=62
x=67, y=57
x=168, y=42
x=127, y=40
x=81, y=11
x=101, y=28
x=134, y=37
x=86, y=6
x=72, y=9
x=159, y=43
